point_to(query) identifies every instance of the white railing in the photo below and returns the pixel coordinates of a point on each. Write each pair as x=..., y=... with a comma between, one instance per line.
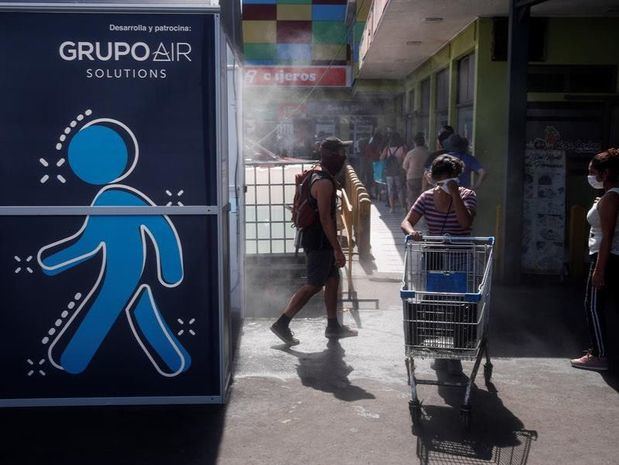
x=269, y=197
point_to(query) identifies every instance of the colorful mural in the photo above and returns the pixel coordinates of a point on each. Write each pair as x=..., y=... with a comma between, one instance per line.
x=295, y=32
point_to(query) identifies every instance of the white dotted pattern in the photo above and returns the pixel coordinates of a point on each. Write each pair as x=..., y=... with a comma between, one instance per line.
x=59, y=321
x=179, y=194
x=190, y=330
x=23, y=265
x=72, y=124
x=32, y=368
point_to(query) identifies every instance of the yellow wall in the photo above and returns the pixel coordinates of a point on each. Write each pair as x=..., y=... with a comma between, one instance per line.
x=490, y=127
x=570, y=41
x=447, y=57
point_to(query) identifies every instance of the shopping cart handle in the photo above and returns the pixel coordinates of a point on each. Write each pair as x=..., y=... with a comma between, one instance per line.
x=406, y=294
x=469, y=297
x=411, y=238
x=447, y=238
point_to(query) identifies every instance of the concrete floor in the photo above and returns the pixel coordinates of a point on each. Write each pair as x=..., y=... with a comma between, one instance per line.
x=327, y=403
x=347, y=403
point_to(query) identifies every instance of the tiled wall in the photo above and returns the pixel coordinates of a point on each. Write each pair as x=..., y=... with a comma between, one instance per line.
x=295, y=32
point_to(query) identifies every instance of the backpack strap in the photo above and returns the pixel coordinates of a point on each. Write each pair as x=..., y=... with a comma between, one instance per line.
x=322, y=175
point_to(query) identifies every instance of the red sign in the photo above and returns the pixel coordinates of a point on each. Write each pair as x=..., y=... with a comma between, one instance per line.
x=307, y=76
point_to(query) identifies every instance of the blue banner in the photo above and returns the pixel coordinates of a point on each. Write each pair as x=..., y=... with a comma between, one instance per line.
x=108, y=111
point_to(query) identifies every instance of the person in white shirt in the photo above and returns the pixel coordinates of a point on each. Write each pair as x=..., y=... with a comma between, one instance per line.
x=602, y=295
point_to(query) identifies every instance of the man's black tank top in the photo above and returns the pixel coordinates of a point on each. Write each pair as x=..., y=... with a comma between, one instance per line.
x=314, y=237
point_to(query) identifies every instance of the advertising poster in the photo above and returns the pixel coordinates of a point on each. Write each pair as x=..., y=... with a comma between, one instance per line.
x=544, y=220
x=103, y=115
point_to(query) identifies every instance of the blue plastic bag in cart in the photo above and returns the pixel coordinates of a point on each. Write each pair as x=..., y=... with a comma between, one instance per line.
x=446, y=281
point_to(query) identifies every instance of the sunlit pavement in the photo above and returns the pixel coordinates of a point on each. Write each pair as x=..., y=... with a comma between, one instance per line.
x=346, y=402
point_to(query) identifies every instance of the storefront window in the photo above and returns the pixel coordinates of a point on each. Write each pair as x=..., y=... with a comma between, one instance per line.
x=399, y=112
x=466, y=96
x=442, y=99
x=465, y=122
x=423, y=116
x=410, y=122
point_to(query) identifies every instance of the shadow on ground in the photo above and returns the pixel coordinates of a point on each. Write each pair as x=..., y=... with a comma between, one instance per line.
x=537, y=319
x=612, y=379
x=496, y=435
x=112, y=435
x=328, y=372
x=145, y=435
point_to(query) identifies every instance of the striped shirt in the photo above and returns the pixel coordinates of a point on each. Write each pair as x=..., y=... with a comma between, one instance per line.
x=440, y=223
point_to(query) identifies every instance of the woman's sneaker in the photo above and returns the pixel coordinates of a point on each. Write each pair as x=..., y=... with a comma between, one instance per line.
x=283, y=332
x=590, y=362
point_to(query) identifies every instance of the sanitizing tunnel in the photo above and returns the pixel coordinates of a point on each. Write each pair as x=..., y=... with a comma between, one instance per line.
x=115, y=211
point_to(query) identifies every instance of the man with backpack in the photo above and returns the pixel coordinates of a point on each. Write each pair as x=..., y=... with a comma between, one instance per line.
x=314, y=214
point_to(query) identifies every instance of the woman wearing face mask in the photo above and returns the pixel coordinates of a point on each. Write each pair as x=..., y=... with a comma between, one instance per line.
x=602, y=297
x=447, y=208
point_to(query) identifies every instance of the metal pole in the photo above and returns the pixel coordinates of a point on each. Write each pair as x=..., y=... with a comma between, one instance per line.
x=516, y=141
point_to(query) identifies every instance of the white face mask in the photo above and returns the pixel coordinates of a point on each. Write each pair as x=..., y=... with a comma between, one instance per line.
x=593, y=181
x=444, y=183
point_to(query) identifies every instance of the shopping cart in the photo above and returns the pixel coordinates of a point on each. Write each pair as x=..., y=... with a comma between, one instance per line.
x=446, y=301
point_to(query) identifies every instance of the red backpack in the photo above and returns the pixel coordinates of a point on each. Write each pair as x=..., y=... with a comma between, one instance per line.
x=304, y=211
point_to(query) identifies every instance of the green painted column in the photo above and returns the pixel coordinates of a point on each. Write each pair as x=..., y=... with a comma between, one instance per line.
x=513, y=195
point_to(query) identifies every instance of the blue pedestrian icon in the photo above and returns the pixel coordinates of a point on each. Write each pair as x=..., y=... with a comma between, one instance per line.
x=98, y=155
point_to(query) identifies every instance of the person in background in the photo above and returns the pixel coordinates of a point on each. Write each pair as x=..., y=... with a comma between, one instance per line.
x=442, y=136
x=393, y=156
x=458, y=147
x=316, y=151
x=602, y=293
x=365, y=168
x=323, y=252
x=413, y=164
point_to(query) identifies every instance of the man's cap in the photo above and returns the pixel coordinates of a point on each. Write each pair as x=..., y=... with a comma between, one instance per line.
x=333, y=143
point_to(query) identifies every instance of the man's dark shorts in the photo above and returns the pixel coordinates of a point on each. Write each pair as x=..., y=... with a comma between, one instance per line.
x=320, y=267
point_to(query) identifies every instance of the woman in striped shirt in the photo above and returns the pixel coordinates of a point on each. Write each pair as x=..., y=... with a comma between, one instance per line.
x=447, y=208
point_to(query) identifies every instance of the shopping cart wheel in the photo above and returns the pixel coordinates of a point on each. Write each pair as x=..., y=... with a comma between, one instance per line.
x=415, y=408
x=488, y=372
x=465, y=416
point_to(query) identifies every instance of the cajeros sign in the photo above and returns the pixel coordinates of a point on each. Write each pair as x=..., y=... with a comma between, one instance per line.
x=296, y=76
